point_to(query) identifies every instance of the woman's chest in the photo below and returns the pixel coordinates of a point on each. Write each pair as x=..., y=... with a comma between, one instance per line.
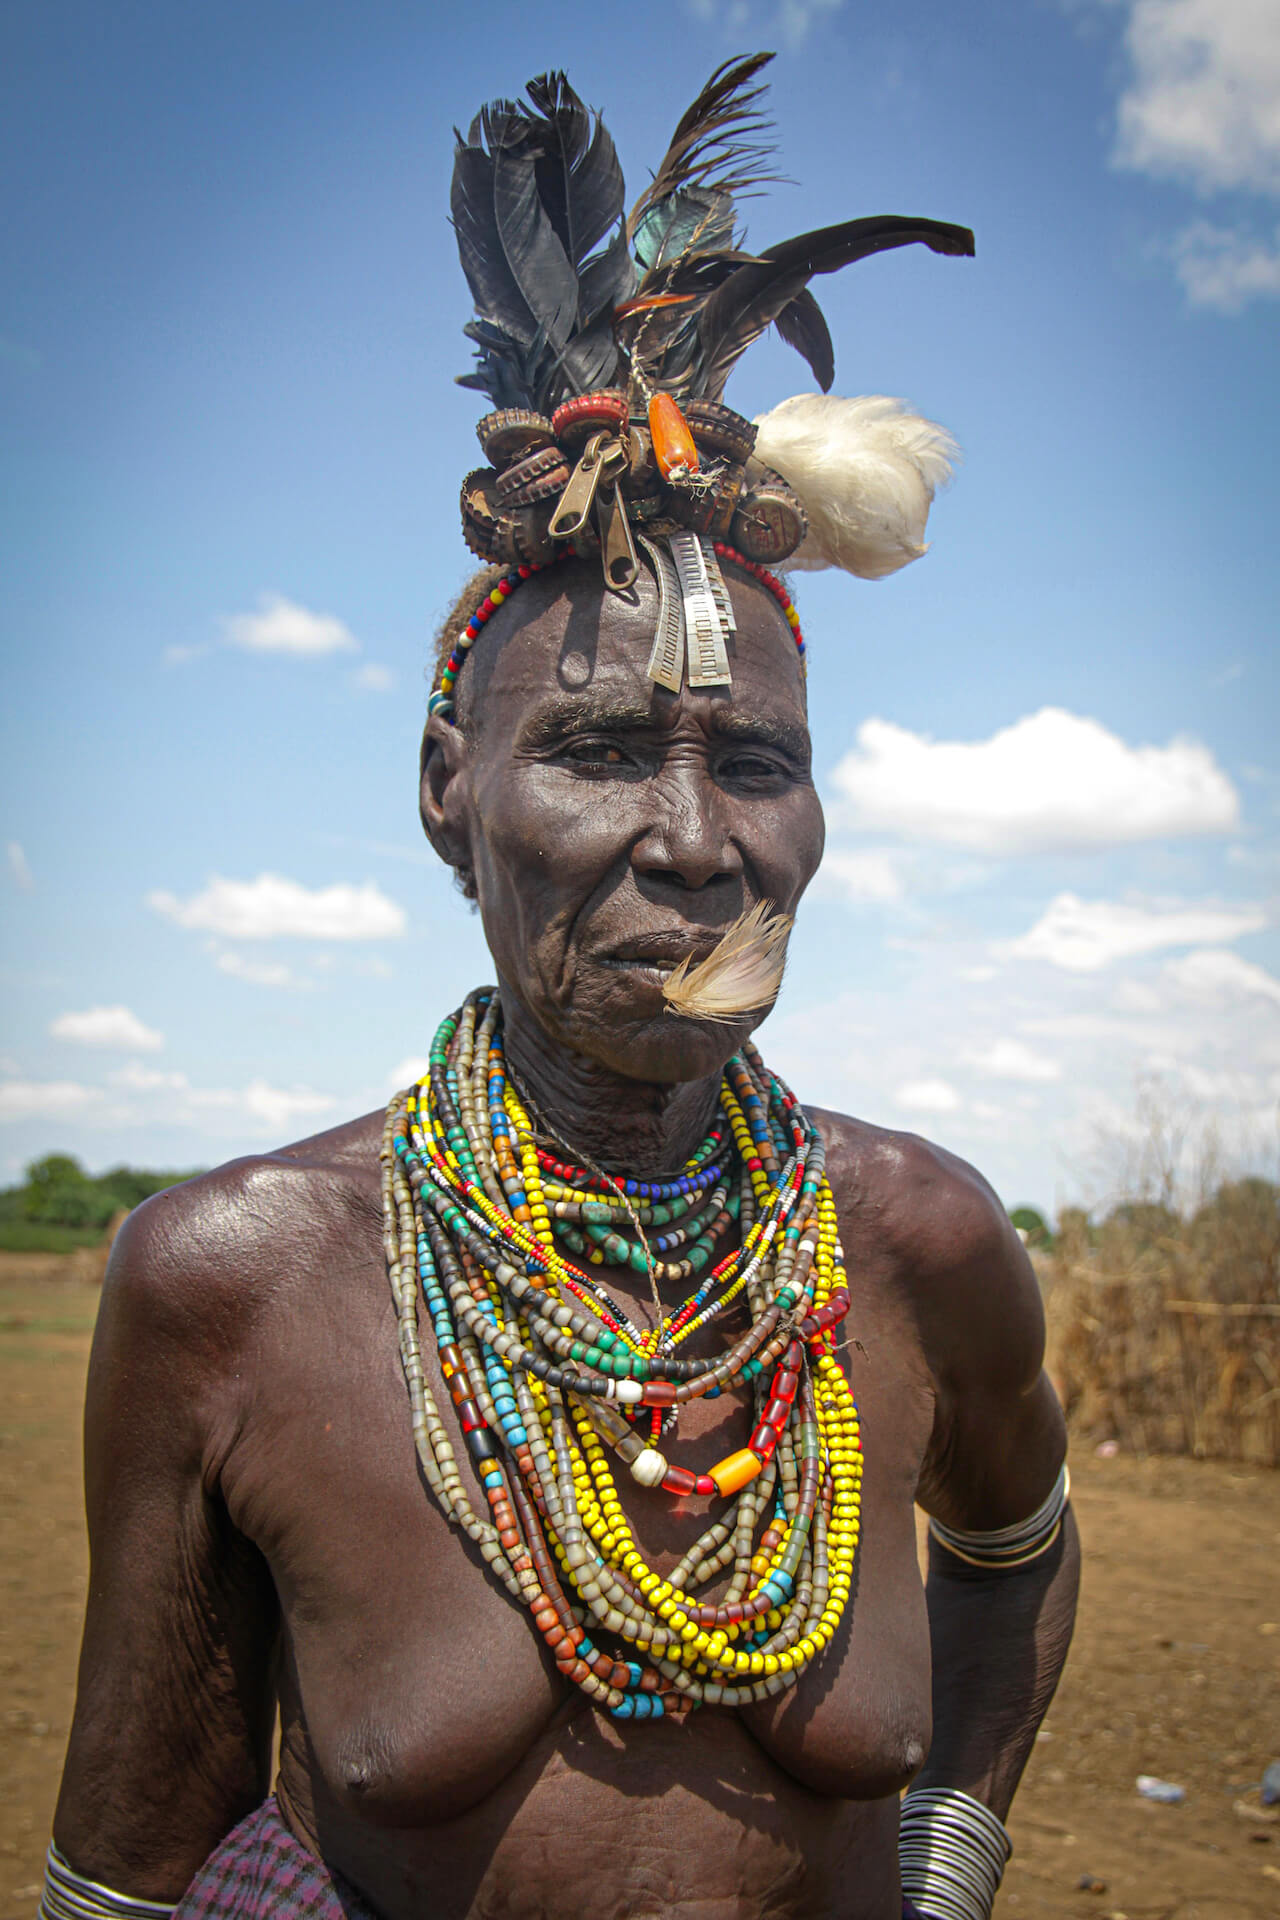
x=421, y=1682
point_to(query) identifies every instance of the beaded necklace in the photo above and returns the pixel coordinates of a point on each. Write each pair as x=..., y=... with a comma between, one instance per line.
x=548, y=1375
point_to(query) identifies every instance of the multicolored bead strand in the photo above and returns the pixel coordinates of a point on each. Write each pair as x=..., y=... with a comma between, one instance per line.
x=548, y=1375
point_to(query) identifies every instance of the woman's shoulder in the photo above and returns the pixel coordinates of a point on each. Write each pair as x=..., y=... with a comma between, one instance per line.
x=932, y=1226
x=210, y=1249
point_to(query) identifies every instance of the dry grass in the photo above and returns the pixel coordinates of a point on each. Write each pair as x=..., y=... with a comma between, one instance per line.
x=1164, y=1327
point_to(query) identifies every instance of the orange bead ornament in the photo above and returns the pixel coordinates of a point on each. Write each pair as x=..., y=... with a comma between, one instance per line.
x=733, y=1473
x=673, y=446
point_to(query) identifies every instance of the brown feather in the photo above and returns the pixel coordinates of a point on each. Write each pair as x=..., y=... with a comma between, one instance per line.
x=742, y=972
x=717, y=144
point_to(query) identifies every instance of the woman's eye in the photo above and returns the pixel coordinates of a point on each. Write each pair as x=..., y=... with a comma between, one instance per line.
x=593, y=753
x=751, y=766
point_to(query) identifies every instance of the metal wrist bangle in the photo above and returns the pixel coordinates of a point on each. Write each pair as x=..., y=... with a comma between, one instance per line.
x=952, y=1852
x=69, y=1896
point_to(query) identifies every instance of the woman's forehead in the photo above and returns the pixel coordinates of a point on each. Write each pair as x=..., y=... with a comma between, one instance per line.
x=594, y=646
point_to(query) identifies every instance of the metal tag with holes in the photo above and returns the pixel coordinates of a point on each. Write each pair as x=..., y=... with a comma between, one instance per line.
x=719, y=591
x=708, y=655
x=666, y=662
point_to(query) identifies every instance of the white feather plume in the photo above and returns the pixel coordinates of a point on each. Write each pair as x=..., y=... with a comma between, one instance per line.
x=865, y=471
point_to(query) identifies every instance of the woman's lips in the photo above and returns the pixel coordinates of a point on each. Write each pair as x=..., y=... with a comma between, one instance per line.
x=655, y=958
x=663, y=951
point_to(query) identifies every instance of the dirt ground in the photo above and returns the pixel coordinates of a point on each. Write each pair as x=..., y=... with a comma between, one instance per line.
x=1175, y=1670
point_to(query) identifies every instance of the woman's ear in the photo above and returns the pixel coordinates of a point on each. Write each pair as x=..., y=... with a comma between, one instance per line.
x=442, y=795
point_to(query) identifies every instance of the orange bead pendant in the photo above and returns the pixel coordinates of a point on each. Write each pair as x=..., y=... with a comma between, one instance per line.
x=673, y=447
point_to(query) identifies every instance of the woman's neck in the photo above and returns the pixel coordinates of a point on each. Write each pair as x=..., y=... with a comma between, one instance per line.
x=638, y=1128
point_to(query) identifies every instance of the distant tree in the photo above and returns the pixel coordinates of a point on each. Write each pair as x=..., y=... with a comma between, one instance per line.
x=59, y=1193
x=130, y=1186
x=1033, y=1227
x=59, y=1197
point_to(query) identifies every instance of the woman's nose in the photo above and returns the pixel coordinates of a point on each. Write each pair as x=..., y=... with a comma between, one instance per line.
x=688, y=839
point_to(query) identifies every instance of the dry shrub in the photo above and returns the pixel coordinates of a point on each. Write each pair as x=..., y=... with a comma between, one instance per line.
x=1164, y=1320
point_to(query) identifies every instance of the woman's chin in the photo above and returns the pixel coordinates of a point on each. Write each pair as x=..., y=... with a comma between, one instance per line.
x=633, y=1030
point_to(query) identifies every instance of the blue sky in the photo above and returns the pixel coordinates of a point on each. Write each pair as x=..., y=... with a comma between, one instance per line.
x=230, y=313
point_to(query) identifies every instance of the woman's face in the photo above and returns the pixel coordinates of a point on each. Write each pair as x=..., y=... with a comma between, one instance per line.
x=611, y=827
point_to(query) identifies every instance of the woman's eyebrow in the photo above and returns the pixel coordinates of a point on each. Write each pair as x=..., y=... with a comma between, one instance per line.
x=764, y=730
x=564, y=715
x=570, y=713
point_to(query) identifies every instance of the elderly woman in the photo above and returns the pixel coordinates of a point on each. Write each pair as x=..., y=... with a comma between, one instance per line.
x=580, y=1560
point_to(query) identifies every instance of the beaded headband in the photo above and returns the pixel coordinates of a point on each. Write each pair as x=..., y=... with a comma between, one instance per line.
x=441, y=700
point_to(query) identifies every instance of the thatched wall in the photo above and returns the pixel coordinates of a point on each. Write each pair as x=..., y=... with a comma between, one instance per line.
x=1164, y=1333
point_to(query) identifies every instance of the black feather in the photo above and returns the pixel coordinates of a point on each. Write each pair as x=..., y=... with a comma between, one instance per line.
x=494, y=290
x=753, y=296
x=536, y=189
x=579, y=179
x=537, y=261
x=802, y=326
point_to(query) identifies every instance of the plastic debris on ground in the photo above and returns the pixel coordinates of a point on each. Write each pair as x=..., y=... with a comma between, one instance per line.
x=1164, y=1791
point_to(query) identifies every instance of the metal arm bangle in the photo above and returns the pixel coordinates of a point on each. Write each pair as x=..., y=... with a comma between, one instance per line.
x=952, y=1852
x=1007, y=1547
x=69, y=1896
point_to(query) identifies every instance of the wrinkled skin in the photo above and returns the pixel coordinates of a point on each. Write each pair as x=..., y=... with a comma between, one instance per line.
x=258, y=1524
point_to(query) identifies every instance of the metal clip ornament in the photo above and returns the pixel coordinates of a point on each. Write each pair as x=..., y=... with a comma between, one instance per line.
x=574, y=508
x=603, y=458
x=619, y=549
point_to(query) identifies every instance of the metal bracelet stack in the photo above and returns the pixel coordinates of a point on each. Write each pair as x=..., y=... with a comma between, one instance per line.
x=1007, y=1547
x=69, y=1896
x=952, y=1852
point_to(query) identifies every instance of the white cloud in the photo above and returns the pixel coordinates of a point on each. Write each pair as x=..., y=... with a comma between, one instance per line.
x=268, y=1109
x=276, y=1108
x=18, y=866
x=258, y=1108
x=1083, y=936
x=107, y=1027
x=1051, y=782
x=371, y=678
x=1202, y=108
x=26, y=1099
x=1204, y=104
x=1225, y=267
x=927, y=1096
x=1217, y=974
x=180, y=655
x=869, y=876
x=262, y=973
x=140, y=1079
x=1009, y=1059
x=282, y=626
x=790, y=21
x=407, y=1073
x=272, y=907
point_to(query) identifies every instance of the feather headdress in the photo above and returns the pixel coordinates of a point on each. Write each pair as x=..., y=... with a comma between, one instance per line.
x=604, y=341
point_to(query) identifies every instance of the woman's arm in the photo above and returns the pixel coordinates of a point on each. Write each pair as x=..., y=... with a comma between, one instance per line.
x=170, y=1741
x=999, y=1632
